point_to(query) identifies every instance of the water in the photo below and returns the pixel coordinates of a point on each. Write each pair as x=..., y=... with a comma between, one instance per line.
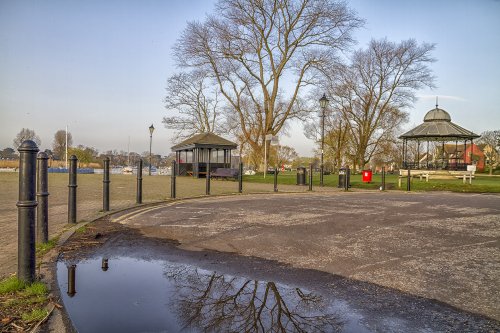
x=137, y=295
x=131, y=293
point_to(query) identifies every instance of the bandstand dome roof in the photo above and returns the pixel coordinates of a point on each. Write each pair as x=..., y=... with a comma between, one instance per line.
x=437, y=126
x=437, y=115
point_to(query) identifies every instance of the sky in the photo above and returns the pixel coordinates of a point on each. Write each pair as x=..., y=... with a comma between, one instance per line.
x=100, y=67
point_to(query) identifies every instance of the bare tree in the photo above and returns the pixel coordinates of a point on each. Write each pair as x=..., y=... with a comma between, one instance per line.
x=251, y=47
x=337, y=144
x=286, y=155
x=373, y=92
x=59, y=143
x=26, y=134
x=195, y=101
x=218, y=303
x=491, y=150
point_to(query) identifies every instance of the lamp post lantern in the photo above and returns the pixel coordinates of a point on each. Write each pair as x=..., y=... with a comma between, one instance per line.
x=323, y=102
x=151, y=130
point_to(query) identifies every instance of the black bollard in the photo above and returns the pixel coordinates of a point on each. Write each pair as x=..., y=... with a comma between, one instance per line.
x=383, y=178
x=72, y=189
x=138, y=198
x=26, y=207
x=104, y=265
x=310, y=177
x=105, y=185
x=408, y=180
x=42, y=194
x=207, y=189
x=240, y=179
x=276, y=179
x=173, y=188
x=347, y=178
x=71, y=280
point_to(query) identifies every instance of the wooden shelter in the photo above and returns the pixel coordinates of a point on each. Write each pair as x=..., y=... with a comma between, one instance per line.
x=438, y=127
x=196, y=153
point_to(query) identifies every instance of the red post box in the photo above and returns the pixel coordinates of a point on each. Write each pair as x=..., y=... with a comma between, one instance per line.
x=367, y=176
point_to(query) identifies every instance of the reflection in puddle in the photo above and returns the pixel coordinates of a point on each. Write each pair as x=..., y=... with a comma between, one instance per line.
x=131, y=295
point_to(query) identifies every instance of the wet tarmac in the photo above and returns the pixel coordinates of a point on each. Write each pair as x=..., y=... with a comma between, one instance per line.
x=136, y=284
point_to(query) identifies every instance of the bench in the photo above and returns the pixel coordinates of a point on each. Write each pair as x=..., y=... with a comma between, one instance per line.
x=225, y=173
x=436, y=174
x=413, y=173
x=463, y=175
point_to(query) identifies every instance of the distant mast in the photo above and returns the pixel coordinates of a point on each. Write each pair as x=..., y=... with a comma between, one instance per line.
x=128, y=151
x=66, y=147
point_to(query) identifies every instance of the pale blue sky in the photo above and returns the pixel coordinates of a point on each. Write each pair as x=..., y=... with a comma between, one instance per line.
x=100, y=67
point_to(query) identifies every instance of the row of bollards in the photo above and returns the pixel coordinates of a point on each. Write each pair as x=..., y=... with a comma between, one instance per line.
x=33, y=200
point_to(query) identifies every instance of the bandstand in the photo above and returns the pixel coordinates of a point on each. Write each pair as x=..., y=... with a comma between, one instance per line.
x=438, y=128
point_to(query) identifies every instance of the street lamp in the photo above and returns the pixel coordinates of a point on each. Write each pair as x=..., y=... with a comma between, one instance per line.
x=323, y=102
x=151, y=130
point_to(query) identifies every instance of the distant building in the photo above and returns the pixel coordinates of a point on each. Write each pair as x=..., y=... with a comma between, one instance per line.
x=456, y=156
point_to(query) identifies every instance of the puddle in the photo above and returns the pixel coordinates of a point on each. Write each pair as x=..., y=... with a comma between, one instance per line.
x=121, y=289
x=134, y=295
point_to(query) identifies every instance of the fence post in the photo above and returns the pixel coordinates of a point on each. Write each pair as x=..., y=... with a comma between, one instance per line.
x=72, y=189
x=42, y=194
x=26, y=207
x=173, y=180
x=138, y=197
x=310, y=177
x=408, y=180
x=276, y=179
x=347, y=179
x=240, y=179
x=105, y=187
x=207, y=189
x=383, y=178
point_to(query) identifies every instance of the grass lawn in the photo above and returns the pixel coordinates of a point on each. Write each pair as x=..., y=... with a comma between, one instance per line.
x=480, y=184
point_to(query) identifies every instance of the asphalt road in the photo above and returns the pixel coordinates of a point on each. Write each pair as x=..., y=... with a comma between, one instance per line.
x=439, y=246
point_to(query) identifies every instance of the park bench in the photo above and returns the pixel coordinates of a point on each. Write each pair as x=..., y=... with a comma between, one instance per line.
x=436, y=174
x=224, y=173
x=414, y=173
x=463, y=175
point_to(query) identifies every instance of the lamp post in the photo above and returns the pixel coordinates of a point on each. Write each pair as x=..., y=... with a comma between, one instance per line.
x=323, y=102
x=151, y=130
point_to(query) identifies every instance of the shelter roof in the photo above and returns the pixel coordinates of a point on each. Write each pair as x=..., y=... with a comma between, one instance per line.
x=437, y=126
x=205, y=140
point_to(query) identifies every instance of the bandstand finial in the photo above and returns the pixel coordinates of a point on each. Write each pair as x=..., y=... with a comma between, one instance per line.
x=436, y=102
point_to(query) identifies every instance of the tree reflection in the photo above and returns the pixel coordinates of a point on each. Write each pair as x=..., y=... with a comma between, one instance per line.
x=214, y=303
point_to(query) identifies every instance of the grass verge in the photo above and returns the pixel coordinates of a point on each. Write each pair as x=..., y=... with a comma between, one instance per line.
x=22, y=305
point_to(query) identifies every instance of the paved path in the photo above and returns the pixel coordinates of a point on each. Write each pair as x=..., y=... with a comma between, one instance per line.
x=437, y=245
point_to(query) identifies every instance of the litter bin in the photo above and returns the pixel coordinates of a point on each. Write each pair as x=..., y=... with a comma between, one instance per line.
x=366, y=176
x=301, y=176
x=344, y=176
